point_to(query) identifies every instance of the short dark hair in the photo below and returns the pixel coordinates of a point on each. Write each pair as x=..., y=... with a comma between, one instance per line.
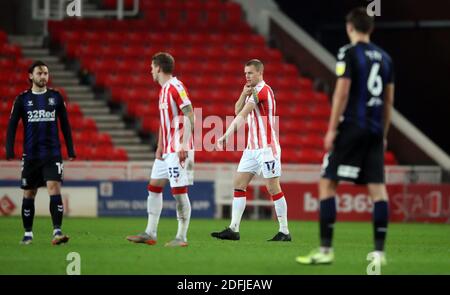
x=37, y=63
x=259, y=66
x=361, y=21
x=165, y=61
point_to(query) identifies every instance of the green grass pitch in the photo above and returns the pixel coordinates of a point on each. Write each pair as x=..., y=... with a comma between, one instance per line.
x=411, y=248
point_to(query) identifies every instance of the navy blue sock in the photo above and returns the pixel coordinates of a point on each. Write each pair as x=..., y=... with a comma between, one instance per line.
x=327, y=220
x=28, y=213
x=56, y=210
x=380, y=223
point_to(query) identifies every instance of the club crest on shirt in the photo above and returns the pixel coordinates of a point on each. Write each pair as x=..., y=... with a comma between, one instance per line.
x=51, y=101
x=183, y=95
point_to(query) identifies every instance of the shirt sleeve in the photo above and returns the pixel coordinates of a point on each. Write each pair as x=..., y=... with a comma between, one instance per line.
x=65, y=126
x=16, y=114
x=344, y=63
x=258, y=96
x=181, y=96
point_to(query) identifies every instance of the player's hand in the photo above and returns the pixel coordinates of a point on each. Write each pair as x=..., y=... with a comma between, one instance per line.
x=329, y=139
x=221, y=142
x=182, y=155
x=248, y=89
x=158, y=154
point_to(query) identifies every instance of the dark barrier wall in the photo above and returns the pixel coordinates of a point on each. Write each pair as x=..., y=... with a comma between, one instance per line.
x=16, y=18
x=9, y=16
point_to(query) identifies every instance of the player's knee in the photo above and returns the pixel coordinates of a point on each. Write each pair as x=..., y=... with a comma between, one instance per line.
x=157, y=182
x=240, y=185
x=30, y=194
x=273, y=188
x=379, y=196
x=54, y=187
x=377, y=192
x=327, y=188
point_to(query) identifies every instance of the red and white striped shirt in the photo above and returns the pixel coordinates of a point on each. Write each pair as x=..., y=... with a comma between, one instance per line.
x=262, y=123
x=173, y=96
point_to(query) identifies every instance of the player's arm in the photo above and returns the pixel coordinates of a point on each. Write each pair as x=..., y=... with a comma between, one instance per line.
x=240, y=118
x=340, y=99
x=388, y=105
x=189, y=113
x=241, y=101
x=159, y=148
x=65, y=128
x=187, y=132
x=185, y=105
x=344, y=70
x=239, y=105
x=16, y=113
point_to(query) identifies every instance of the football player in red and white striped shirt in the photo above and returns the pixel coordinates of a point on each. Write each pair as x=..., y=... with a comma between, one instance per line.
x=263, y=153
x=174, y=157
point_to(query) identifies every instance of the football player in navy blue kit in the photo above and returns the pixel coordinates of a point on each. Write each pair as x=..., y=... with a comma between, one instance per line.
x=39, y=108
x=357, y=132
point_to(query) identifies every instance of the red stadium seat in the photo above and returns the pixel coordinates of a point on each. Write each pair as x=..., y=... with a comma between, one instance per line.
x=89, y=124
x=74, y=110
x=389, y=158
x=6, y=64
x=120, y=154
x=233, y=12
x=8, y=50
x=104, y=139
x=3, y=37
x=209, y=38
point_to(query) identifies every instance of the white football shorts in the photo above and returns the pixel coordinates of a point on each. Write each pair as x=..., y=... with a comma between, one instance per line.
x=255, y=161
x=171, y=169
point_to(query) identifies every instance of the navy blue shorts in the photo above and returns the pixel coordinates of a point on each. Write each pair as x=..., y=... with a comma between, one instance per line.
x=36, y=172
x=357, y=156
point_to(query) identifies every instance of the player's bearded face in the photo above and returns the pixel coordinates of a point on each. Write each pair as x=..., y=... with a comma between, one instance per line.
x=40, y=76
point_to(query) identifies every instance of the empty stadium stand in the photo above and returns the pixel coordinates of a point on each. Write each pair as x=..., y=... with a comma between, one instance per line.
x=210, y=41
x=90, y=143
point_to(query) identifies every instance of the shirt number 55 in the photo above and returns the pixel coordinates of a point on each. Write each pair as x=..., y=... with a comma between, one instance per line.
x=174, y=172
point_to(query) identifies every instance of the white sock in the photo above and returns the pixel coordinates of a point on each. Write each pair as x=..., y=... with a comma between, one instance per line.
x=183, y=215
x=28, y=234
x=154, y=208
x=236, y=212
x=54, y=231
x=381, y=253
x=326, y=250
x=281, y=211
